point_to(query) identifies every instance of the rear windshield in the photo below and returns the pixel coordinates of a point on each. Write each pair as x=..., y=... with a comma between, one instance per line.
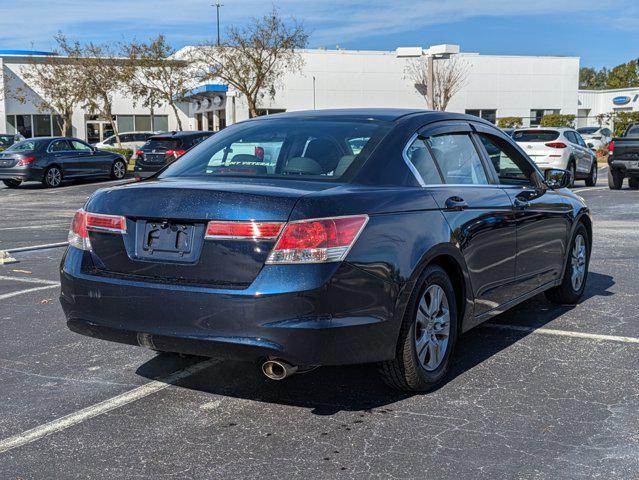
x=161, y=144
x=319, y=149
x=587, y=130
x=535, y=135
x=22, y=146
x=6, y=140
x=633, y=131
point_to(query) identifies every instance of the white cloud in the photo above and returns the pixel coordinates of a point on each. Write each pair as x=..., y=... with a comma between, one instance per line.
x=26, y=24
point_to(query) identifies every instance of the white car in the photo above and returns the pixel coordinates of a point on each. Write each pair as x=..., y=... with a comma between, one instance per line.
x=595, y=137
x=131, y=140
x=562, y=148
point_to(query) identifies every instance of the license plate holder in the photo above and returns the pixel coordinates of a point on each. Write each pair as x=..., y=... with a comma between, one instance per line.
x=167, y=241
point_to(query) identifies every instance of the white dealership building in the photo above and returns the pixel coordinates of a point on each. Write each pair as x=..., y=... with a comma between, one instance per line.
x=495, y=86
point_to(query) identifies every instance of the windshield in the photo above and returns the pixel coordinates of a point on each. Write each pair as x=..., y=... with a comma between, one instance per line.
x=21, y=146
x=535, y=135
x=319, y=149
x=6, y=140
x=161, y=144
x=588, y=130
x=633, y=131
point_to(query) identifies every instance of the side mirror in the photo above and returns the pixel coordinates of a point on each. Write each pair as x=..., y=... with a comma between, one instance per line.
x=556, y=178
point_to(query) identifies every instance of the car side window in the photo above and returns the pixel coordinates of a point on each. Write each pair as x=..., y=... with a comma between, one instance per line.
x=59, y=146
x=127, y=137
x=457, y=159
x=580, y=140
x=511, y=167
x=419, y=157
x=571, y=137
x=82, y=147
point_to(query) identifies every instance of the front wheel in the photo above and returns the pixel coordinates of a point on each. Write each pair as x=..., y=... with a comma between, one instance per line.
x=573, y=282
x=427, y=337
x=591, y=181
x=118, y=170
x=12, y=183
x=615, y=179
x=52, y=177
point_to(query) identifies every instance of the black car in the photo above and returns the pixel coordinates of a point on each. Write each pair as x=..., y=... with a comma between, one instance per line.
x=160, y=150
x=623, y=159
x=280, y=242
x=51, y=160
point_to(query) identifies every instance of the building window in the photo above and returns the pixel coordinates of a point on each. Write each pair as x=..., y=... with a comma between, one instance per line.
x=126, y=123
x=161, y=123
x=486, y=114
x=42, y=125
x=35, y=125
x=538, y=114
x=269, y=111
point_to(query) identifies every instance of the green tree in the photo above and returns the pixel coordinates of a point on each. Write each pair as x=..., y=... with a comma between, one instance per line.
x=624, y=75
x=593, y=79
x=510, y=122
x=557, y=120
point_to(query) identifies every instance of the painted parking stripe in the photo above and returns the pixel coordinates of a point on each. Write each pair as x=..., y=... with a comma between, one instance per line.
x=564, y=333
x=29, y=280
x=28, y=290
x=108, y=405
x=589, y=189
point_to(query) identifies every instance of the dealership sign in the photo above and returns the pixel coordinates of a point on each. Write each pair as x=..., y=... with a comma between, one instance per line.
x=621, y=100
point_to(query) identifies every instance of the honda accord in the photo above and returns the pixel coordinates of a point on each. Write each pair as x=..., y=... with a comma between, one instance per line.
x=327, y=238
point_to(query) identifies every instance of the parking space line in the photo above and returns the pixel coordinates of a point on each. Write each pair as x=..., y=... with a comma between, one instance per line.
x=28, y=290
x=29, y=280
x=108, y=405
x=563, y=333
x=589, y=189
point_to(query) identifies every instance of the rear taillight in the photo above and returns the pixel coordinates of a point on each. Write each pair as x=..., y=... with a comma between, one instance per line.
x=83, y=222
x=556, y=145
x=26, y=160
x=611, y=147
x=139, y=153
x=176, y=153
x=243, y=230
x=317, y=241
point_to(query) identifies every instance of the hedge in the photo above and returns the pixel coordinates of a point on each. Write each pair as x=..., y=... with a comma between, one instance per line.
x=557, y=120
x=510, y=122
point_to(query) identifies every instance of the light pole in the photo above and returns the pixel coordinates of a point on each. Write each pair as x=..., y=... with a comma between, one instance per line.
x=217, y=11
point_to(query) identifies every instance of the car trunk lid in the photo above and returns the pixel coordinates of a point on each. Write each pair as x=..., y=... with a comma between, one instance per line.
x=166, y=223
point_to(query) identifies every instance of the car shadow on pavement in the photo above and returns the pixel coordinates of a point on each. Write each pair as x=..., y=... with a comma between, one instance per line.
x=329, y=390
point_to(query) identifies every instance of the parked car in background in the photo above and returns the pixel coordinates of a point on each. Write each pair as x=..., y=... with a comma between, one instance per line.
x=51, y=160
x=162, y=149
x=319, y=255
x=595, y=137
x=130, y=140
x=562, y=148
x=623, y=159
x=8, y=139
x=508, y=131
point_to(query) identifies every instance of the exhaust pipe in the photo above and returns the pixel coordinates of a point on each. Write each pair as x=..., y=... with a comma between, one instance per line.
x=278, y=369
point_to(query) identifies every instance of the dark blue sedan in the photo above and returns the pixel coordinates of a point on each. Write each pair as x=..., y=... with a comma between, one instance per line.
x=51, y=160
x=327, y=238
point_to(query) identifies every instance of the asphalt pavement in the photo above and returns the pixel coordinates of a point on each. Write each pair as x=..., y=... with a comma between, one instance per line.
x=542, y=391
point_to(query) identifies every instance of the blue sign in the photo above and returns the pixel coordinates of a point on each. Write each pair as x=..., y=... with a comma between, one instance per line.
x=621, y=100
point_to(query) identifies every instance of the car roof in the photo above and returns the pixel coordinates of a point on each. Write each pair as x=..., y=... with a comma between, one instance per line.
x=186, y=133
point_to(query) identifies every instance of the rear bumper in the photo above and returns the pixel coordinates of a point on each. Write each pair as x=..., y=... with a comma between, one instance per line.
x=145, y=171
x=547, y=162
x=629, y=167
x=22, y=174
x=327, y=314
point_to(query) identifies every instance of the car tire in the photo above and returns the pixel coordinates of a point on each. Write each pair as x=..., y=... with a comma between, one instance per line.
x=633, y=182
x=591, y=181
x=118, y=169
x=10, y=183
x=573, y=282
x=423, y=334
x=52, y=177
x=615, y=179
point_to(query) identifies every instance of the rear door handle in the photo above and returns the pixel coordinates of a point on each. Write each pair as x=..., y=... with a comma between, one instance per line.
x=455, y=204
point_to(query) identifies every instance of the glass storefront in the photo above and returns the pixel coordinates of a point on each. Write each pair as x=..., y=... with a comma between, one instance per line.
x=37, y=125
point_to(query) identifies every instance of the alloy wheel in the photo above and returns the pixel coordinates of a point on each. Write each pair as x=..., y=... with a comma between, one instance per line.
x=119, y=170
x=54, y=177
x=578, y=263
x=432, y=328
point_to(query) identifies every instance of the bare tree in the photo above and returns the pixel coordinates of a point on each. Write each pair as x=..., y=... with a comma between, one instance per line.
x=101, y=74
x=54, y=81
x=449, y=76
x=254, y=58
x=156, y=77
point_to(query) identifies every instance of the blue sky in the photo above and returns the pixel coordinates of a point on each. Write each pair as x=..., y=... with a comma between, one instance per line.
x=602, y=32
